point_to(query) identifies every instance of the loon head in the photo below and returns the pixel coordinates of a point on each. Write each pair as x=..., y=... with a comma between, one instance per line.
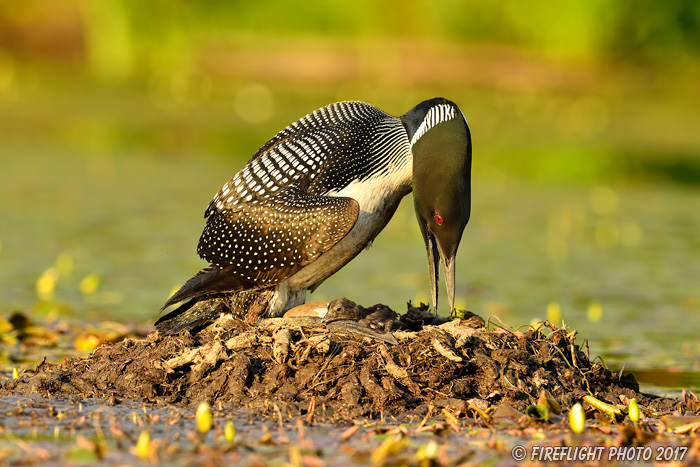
x=442, y=158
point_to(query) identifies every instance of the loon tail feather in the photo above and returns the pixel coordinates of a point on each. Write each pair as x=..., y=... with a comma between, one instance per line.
x=211, y=280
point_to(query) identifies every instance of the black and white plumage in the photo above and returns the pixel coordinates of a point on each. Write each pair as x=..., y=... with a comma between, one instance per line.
x=306, y=203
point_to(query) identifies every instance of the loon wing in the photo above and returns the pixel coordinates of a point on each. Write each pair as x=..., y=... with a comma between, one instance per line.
x=332, y=146
x=255, y=245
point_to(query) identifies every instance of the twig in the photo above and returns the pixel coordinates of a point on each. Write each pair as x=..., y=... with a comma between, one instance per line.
x=325, y=365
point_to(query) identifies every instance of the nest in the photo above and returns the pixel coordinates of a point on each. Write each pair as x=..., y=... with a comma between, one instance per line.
x=292, y=361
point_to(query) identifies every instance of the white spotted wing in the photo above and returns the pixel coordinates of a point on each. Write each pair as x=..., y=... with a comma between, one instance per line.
x=263, y=243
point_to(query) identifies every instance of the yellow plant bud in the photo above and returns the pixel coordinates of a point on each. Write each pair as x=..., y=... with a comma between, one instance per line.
x=204, y=417
x=46, y=284
x=143, y=445
x=634, y=410
x=595, y=312
x=577, y=418
x=229, y=431
x=89, y=284
x=554, y=313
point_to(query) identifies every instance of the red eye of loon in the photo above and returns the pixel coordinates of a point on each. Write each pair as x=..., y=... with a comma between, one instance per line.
x=438, y=219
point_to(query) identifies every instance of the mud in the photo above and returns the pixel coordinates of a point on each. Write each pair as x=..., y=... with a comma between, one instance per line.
x=297, y=363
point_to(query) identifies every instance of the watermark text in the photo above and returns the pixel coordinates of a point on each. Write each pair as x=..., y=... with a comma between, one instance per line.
x=598, y=453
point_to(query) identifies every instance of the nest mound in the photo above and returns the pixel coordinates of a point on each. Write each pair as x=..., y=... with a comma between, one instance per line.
x=292, y=361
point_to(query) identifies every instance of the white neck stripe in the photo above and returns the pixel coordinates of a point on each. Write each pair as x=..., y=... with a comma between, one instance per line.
x=438, y=114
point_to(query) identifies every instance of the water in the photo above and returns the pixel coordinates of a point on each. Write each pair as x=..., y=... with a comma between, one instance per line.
x=617, y=263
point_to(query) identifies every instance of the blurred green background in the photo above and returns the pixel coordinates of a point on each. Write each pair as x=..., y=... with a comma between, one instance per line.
x=120, y=119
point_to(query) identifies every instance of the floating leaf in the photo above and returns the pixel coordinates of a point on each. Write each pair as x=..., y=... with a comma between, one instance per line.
x=427, y=453
x=39, y=336
x=98, y=448
x=390, y=447
x=538, y=412
x=552, y=405
x=506, y=411
x=349, y=433
x=8, y=339
x=687, y=428
x=81, y=455
x=673, y=422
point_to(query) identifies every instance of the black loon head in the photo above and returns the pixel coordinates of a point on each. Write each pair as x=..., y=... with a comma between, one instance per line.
x=442, y=159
